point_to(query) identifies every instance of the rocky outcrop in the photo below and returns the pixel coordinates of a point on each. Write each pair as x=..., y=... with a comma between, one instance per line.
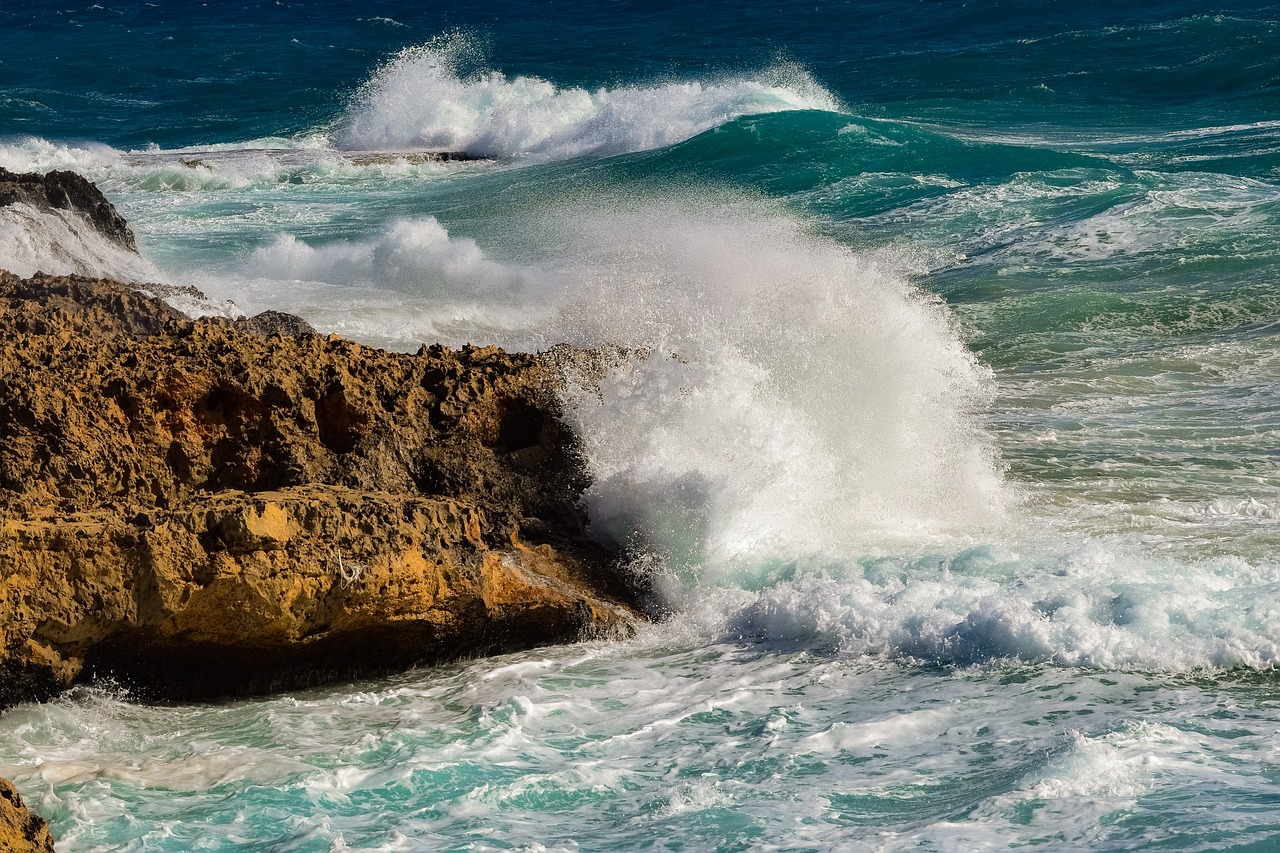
x=201, y=508
x=70, y=192
x=21, y=831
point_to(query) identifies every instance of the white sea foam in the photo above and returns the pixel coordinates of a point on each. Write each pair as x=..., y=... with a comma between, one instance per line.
x=1196, y=214
x=422, y=98
x=1017, y=224
x=606, y=744
x=34, y=154
x=167, y=175
x=1107, y=605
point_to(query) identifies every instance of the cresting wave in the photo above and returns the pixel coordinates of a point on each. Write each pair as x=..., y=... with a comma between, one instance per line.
x=422, y=99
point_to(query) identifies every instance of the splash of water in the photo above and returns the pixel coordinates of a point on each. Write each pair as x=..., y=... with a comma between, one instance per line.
x=62, y=243
x=780, y=396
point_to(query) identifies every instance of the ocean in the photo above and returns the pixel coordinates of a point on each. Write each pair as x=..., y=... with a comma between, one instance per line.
x=950, y=437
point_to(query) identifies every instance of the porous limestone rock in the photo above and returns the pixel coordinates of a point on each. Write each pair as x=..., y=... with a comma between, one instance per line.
x=197, y=508
x=21, y=831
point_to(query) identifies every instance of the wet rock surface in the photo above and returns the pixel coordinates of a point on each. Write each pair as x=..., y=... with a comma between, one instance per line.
x=214, y=507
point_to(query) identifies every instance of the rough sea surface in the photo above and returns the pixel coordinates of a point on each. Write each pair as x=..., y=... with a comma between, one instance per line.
x=955, y=454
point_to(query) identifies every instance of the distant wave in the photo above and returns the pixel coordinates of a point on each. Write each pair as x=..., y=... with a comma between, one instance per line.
x=419, y=99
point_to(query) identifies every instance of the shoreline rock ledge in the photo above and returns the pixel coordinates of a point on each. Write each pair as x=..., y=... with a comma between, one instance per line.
x=203, y=508
x=21, y=830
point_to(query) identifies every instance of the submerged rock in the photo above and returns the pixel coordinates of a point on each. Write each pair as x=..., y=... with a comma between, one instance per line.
x=67, y=191
x=21, y=831
x=197, y=508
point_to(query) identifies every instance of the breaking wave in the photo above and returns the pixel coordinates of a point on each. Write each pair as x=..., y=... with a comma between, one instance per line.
x=422, y=99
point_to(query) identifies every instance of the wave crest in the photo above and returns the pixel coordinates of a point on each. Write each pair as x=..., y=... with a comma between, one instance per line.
x=419, y=99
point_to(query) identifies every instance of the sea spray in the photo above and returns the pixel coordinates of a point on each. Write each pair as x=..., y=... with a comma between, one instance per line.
x=787, y=398
x=783, y=396
x=64, y=243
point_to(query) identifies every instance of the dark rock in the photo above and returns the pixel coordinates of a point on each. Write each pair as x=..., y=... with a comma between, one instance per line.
x=67, y=191
x=276, y=324
x=372, y=158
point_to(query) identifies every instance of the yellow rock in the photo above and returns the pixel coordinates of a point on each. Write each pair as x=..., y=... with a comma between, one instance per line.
x=196, y=508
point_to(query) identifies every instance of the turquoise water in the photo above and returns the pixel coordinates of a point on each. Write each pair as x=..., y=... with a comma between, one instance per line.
x=955, y=453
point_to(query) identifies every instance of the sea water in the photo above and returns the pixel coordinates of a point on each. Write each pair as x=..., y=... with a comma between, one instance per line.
x=949, y=438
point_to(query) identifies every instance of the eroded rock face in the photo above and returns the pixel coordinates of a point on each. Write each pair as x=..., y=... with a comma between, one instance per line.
x=200, y=508
x=67, y=191
x=21, y=831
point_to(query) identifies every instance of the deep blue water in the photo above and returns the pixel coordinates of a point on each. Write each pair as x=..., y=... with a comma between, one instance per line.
x=956, y=446
x=172, y=74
